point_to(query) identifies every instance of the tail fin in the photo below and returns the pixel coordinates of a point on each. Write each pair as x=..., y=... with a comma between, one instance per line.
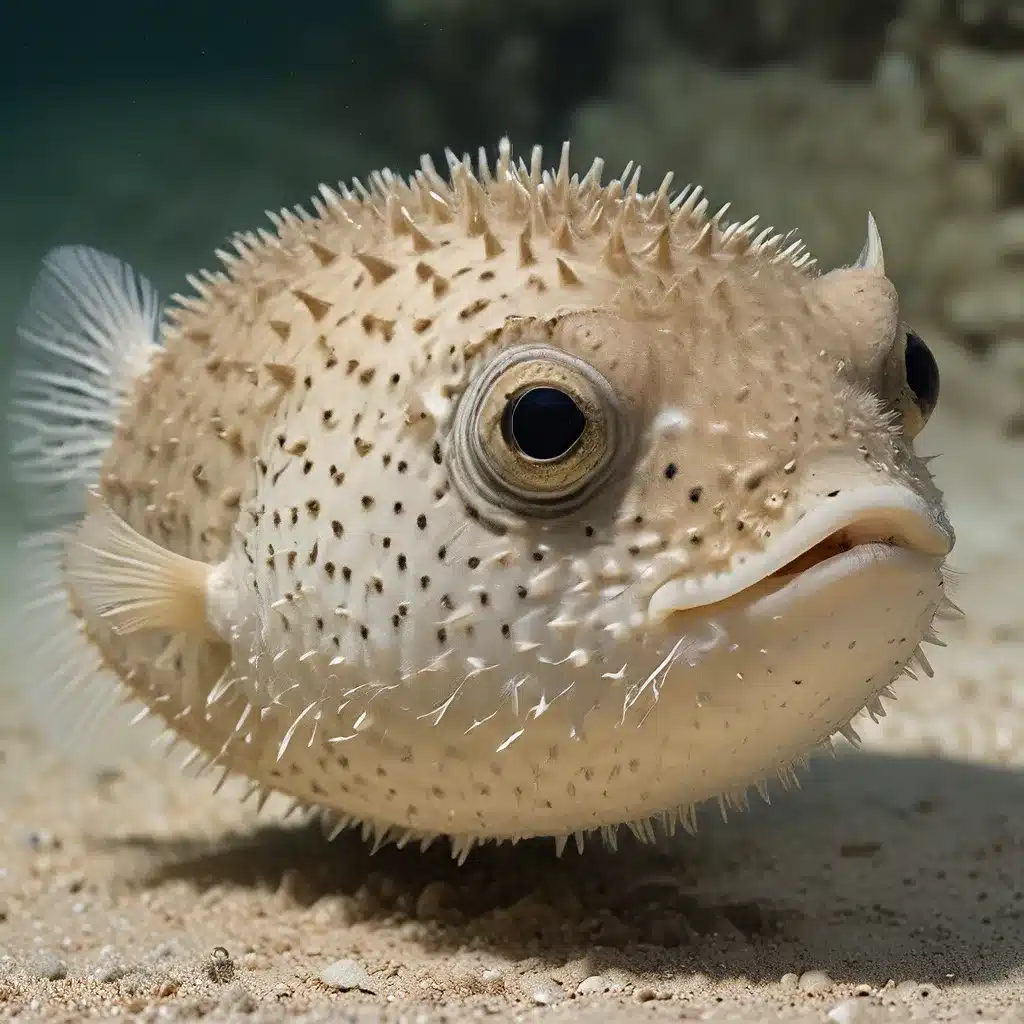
x=89, y=329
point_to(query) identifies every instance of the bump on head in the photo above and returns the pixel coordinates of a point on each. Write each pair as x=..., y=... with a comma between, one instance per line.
x=894, y=361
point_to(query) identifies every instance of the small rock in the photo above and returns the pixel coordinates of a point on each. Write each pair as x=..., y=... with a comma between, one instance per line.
x=815, y=981
x=789, y=980
x=912, y=990
x=644, y=994
x=166, y=988
x=220, y=967
x=546, y=995
x=596, y=984
x=346, y=975
x=109, y=972
x=254, y=961
x=49, y=967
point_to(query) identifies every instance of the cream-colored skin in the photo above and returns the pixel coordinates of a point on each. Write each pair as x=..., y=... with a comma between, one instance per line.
x=389, y=612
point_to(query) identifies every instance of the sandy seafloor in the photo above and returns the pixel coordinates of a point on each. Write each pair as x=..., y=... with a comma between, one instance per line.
x=891, y=886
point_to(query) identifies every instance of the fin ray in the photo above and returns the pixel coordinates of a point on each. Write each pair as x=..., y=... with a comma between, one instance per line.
x=132, y=582
x=89, y=328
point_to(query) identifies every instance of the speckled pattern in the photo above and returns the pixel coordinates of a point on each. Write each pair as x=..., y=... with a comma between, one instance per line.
x=891, y=887
x=399, y=590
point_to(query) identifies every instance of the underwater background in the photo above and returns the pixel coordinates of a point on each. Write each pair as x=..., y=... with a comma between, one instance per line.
x=892, y=888
x=155, y=130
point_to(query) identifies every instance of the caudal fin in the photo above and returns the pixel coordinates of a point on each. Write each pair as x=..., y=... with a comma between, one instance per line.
x=89, y=329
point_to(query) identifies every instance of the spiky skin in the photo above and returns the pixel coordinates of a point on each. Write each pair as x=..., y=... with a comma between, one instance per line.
x=390, y=282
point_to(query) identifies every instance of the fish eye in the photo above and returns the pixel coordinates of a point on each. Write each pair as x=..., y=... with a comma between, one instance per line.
x=922, y=374
x=543, y=423
x=536, y=433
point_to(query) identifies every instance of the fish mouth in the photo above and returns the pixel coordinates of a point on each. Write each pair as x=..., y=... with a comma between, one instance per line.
x=845, y=534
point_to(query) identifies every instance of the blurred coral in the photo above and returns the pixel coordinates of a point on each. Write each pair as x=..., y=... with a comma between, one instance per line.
x=806, y=113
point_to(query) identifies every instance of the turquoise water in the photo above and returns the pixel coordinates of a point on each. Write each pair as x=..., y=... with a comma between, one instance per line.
x=154, y=130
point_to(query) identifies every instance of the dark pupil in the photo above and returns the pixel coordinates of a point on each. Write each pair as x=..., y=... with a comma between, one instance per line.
x=922, y=372
x=543, y=423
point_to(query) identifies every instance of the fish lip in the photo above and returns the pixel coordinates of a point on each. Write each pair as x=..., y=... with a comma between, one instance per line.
x=875, y=519
x=770, y=600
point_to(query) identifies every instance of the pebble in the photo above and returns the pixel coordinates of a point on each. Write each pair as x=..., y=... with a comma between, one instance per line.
x=912, y=990
x=49, y=967
x=346, y=975
x=815, y=981
x=596, y=984
x=109, y=972
x=546, y=995
x=220, y=967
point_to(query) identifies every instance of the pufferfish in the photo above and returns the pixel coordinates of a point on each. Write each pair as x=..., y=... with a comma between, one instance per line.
x=495, y=505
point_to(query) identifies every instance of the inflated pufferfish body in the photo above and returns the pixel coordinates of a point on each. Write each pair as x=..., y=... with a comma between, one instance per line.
x=501, y=505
